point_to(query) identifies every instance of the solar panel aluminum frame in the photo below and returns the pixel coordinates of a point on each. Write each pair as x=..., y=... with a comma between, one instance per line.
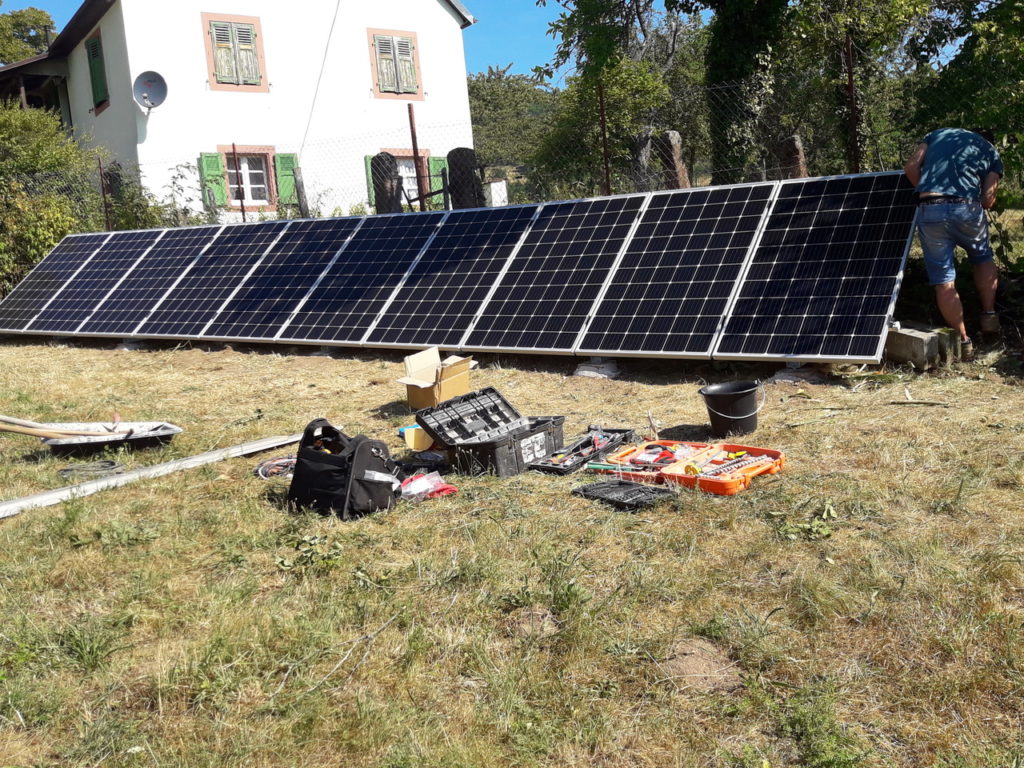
x=364, y=343
x=464, y=347
x=27, y=329
x=579, y=350
x=898, y=282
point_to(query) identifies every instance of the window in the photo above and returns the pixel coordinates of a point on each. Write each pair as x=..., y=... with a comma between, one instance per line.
x=97, y=73
x=234, y=53
x=261, y=178
x=394, y=64
x=432, y=170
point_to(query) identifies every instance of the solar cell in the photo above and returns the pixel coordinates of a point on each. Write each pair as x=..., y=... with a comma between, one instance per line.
x=444, y=291
x=823, y=279
x=268, y=296
x=45, y=281
x=346, y=301
x=671, y=288
x=545, y=296
x=147, y=281
x=94, y=281
x=210, y=280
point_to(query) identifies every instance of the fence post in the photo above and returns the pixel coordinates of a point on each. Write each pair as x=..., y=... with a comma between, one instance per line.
x=421, y=187
x=387, y=184
x=604, y=139
x=103, y=191
x=238, y=178
x=668, y=146
x=792, y=163
x=300, y=193
x=466, y=188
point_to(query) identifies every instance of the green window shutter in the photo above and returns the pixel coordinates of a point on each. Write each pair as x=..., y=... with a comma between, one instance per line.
x=246, y=54
x=436, y=165
x=97, y=71
x=387, y=72
x=284, y=169
x=407, y=80
x=211, y=171
x=370, y=195
x=225, y=66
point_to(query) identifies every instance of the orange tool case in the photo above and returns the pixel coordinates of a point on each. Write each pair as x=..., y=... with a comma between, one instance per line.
x=630, y=462
x=720, y=468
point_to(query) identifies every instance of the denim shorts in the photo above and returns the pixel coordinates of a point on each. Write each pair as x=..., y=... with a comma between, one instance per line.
x=942, y=227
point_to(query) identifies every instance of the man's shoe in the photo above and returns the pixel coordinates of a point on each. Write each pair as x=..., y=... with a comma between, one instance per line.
x=966, y=350
x=990, y=324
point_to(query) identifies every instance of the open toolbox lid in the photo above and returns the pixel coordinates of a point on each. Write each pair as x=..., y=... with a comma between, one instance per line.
x=478, y=417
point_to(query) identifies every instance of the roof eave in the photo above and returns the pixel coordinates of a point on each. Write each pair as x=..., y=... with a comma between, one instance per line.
x=82, y=23
x=468, y=19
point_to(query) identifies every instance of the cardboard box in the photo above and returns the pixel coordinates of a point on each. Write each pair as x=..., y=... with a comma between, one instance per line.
x=429, y=380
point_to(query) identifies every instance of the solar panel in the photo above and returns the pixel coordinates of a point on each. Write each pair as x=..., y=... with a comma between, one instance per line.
x=824, y=277
x=266, y=298
x=671, y=288
x=94, y=281
x=444, y=291
x=210, y=280
x=545, y=296
x=344, y=304
x=44, y=282
x=145, y=284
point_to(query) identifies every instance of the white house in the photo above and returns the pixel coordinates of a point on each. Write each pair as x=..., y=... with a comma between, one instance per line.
x=255, y=87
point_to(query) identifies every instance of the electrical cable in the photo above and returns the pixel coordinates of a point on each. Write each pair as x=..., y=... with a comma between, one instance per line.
x=319, y=79
x=279, y=466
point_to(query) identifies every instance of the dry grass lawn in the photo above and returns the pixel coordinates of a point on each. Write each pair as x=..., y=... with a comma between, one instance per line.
x=869, y=599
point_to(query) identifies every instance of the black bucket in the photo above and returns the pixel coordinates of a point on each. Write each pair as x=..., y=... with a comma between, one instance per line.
x=732, y=407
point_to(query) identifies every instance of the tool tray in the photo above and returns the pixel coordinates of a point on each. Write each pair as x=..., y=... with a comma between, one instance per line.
x=486, y=434
x=621, y=462
x=623, y=494
x=730, y=481
x=582, y=449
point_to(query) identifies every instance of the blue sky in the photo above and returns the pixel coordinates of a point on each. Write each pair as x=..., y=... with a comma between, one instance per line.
x=507, y=31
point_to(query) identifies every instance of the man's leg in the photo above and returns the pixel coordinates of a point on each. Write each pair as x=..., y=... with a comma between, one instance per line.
x=986, y=277
x=951, y=308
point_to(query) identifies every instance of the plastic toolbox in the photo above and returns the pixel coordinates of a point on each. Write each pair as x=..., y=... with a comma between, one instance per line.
x=623, y=494
x=486, y=434
x=644, y=462
x=724, y=468
x=592, y=446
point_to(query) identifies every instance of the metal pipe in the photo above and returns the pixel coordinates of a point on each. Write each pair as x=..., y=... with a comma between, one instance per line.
x=238, y=177
x=49, y=498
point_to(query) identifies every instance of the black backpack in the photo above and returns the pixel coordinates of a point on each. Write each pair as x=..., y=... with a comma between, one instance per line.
x=342, y=475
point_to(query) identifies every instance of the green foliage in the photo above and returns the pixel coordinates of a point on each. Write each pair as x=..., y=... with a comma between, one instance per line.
x=510, y=115
x=821, y=740
x=22, y=33
x=33, y=141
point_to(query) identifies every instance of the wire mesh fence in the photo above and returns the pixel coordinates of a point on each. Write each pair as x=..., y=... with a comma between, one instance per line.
x=583, y=145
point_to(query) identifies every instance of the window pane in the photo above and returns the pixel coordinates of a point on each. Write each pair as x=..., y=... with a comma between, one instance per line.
x=407, y=170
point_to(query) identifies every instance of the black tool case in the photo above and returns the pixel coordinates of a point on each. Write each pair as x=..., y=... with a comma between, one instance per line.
x=583, y=449
x=486, y=434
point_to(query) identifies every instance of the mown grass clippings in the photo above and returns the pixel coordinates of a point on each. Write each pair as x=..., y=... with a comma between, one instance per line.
x=866, y=597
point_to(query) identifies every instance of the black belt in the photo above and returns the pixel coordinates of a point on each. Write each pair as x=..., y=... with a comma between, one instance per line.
x=948, y=199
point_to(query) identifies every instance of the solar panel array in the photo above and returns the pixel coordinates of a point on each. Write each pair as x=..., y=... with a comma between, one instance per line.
x=802, y=269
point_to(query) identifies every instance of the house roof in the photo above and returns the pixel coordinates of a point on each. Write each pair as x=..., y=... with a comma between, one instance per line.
x=459, y=8
x=10, y=69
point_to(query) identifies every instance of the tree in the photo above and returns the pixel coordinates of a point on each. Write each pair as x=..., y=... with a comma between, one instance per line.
x=510, y=114
x=23, y=33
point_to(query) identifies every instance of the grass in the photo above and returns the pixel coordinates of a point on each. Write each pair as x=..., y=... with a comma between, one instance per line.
x=871, y=596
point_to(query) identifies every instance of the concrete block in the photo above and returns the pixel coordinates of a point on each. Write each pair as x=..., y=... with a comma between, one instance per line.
x=910, y=345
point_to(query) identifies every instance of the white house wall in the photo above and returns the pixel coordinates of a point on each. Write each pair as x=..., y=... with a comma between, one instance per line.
x=347, y=122
x=114, y=127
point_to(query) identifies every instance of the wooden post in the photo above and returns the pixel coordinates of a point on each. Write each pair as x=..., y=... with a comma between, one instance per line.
x=668, y=146
x=387, y=183
x=421, y=186
x=446, y=189
x=467, y=189
x=300, y=193
x=103, y=191
x=792, y=162
x=238, y=177
x=22, y=92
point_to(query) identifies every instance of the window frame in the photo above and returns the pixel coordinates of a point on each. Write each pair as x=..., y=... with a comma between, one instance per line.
x=375, y=75
x=211, y=63
x=268, y=154
x=98, y=107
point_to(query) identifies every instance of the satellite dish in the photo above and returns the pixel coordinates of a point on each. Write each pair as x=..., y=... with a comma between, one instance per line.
x=150, y=90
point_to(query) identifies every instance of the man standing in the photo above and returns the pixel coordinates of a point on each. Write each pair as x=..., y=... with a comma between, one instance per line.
x=956, y=173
